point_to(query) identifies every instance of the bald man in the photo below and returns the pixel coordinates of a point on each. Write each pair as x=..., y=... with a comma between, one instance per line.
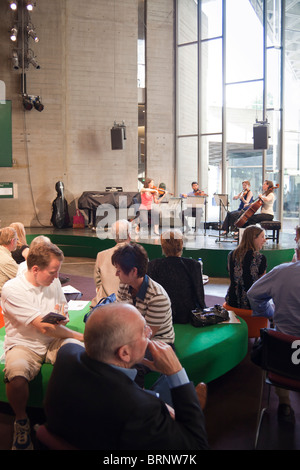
x=94, y=403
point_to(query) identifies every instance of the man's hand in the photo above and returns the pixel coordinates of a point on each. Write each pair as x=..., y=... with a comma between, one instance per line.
x=164, y=359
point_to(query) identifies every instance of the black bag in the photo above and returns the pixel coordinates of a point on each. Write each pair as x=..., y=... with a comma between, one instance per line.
x=209, y=316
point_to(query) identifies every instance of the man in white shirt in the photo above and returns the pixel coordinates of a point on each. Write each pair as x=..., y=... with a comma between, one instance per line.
x=8, y=266
x=29, y=342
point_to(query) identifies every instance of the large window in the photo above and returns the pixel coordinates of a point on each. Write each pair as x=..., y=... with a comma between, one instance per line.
x=229, y=78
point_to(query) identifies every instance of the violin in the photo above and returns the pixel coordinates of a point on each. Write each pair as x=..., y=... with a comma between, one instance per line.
x=199, y=192
x=253, y=208
x=161, y=191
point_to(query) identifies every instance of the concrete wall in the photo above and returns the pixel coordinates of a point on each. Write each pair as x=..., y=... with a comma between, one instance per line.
x=88, y=79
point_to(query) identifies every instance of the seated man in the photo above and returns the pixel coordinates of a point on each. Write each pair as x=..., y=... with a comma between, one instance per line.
x=196, y=212
x=275, y=295
x=104, y=272
x=8, y=266
x=93, y=402
x=29, y=341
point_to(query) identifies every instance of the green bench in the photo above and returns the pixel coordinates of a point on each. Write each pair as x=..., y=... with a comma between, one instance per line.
x=205, y=353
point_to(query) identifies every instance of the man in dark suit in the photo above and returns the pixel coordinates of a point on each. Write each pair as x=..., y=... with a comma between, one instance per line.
x=93, y=402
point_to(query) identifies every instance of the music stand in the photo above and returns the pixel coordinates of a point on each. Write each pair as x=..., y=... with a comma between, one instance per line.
x=197, y=202
x=222, y=201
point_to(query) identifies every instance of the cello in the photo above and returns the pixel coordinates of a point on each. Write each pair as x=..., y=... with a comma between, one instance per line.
x=253, y=208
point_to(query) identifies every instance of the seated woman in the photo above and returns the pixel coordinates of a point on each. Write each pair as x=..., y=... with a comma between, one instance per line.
x=180, y=277
x=21, y=252
x=246, y=198
x=267, y=211
x=245, y=265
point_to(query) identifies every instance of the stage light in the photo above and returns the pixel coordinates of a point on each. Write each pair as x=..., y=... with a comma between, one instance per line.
x=37, y=104
x=14, y=33
x=15, y=60
x=27, y=103
x=33, y=62
x=30, y=5
x=32, y=34
x=13, y=5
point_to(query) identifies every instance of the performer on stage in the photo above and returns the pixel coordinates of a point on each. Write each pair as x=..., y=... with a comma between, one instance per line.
x=197, y=213
x=267, y=212
x=149, y=206
x=246, y=198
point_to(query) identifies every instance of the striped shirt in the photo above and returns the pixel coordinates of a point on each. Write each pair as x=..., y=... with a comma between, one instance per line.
x=153, y=302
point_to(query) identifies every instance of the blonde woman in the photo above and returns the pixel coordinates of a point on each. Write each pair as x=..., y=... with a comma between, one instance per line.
x=21, y=252
x=245, y=266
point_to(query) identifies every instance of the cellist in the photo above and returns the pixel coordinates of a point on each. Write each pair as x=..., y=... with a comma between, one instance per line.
x=246, y=198
x=267, y=212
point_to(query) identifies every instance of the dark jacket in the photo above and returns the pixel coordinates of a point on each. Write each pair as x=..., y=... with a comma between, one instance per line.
x=182, y=280
x=94, y=406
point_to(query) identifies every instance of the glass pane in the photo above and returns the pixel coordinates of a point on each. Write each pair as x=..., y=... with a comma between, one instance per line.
x=211, y=97
x=187, y=170
x=244, y=57
x=187, y=21
x=211, y=19
x=273, y=78
x=246, y=96
x=187, y=96
x=211, y=155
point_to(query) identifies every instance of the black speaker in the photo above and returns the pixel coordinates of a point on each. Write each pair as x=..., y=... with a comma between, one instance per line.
x=117, y=140
x=261, y=137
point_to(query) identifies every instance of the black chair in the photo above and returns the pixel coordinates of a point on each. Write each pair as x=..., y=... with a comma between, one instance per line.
x=279, y=360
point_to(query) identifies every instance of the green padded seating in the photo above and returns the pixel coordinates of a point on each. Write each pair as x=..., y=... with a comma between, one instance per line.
x=205, y=353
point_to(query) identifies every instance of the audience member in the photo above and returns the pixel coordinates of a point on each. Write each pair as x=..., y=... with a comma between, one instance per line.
x=93, y=402
x=137, y=288
x=180, y=277
x=22, y=267
x=8, y=266
x=21, y=252
x=245, y=265
x=297, y=238
x=149, y=297
x=276, y=296
x=104, y=272
x=29, y=341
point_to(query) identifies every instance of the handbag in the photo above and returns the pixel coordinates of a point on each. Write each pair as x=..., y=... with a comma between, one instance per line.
x=209, y=316
x=104, y=301
x=78, y=220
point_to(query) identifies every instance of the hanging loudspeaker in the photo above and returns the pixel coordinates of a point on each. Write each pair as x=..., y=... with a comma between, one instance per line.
x=261, y=136
x=117, y=140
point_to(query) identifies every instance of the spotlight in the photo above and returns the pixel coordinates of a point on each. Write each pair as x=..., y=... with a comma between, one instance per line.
x=29, y=5
x=14, y=33
x=37, y=104
x=13, y=5
x=32, y=34
x=31, y=59
x=33, y=62
x=15, y=60
x=27, y=103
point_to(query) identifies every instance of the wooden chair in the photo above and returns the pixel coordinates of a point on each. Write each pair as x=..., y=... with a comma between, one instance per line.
x=254, y=323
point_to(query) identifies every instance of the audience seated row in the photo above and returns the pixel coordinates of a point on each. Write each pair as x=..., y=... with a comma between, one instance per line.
x=163, y=291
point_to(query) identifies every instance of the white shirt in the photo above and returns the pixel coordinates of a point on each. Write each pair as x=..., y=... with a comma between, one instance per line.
x=21, y=303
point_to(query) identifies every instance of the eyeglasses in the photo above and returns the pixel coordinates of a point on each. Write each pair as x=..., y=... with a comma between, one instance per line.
x=147, y=333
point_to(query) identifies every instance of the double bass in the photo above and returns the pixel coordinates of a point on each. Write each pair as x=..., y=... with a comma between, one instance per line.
x=60, y=215
x=253, y=208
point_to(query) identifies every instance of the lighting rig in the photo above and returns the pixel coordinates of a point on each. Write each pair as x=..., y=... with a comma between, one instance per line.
x=22, y=34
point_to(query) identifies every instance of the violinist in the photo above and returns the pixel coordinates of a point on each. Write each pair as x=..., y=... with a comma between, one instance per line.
x=267, y=212
x=149, y=209
x=246, y=198
x=195, y=212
